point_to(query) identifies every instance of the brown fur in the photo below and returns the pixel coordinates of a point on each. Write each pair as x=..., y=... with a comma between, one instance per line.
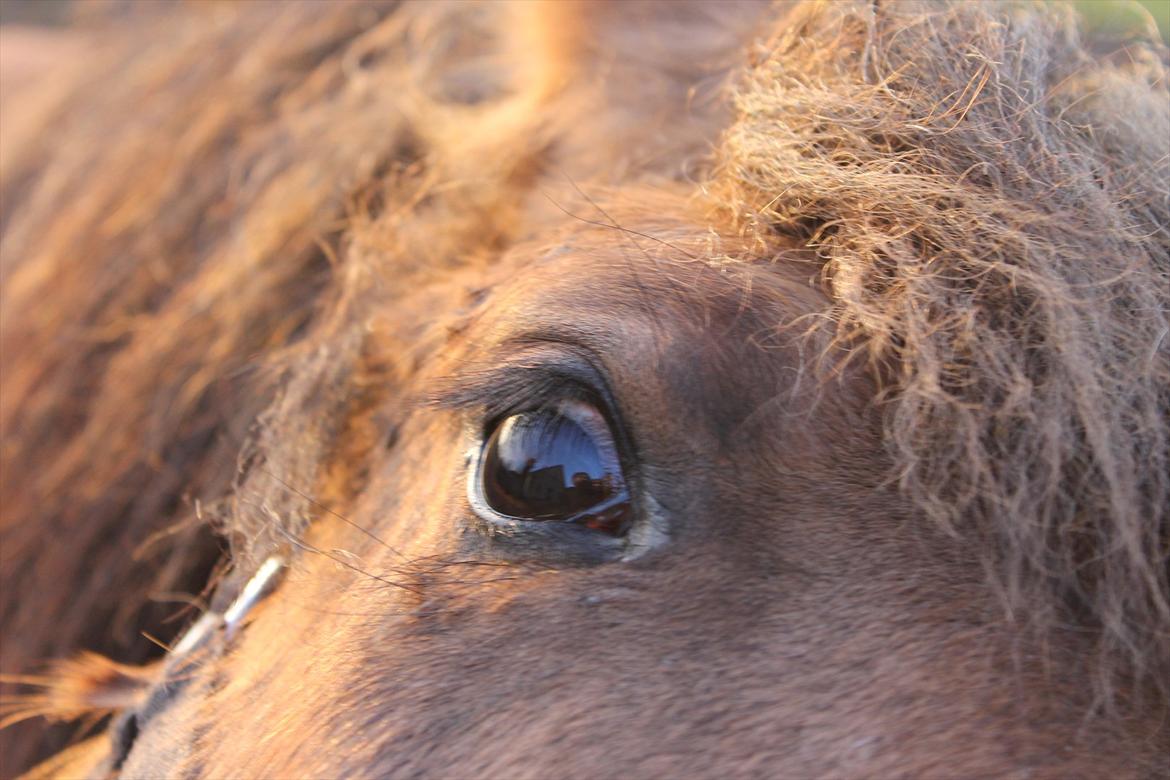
x=225, y=275
x=989, y=202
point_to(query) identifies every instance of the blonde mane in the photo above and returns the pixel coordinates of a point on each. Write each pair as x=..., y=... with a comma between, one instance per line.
x=991, y=204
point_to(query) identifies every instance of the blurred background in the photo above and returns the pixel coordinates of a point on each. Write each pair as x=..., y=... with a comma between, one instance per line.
x=1119, y=16
x=36, y=33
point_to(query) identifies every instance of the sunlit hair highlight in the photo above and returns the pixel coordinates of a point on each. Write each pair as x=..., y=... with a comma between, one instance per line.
x=991, y=204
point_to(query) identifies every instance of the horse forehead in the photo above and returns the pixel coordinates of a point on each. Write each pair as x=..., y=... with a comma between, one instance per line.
x=640, y=294
x=679, y=338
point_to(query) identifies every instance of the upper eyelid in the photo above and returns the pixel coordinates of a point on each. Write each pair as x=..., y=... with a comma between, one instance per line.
x=535, y=373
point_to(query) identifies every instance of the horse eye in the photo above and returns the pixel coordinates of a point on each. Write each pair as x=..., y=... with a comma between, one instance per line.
x=555, y=464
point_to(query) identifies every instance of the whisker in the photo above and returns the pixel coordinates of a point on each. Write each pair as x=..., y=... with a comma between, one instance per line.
x=613, y=223
x=628, y=234
x=303, y=545
x=155, y=640
x=338, y=515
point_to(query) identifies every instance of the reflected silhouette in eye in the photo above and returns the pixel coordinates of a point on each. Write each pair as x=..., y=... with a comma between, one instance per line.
x=556, y=464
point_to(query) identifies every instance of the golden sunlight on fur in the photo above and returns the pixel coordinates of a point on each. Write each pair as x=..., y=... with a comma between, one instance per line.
x=879, y=296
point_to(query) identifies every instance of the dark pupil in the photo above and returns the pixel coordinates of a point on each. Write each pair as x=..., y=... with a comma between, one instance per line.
x=544, y=466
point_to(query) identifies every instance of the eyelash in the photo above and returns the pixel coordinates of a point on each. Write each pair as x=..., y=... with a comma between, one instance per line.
x=526, y=383
x=529, y=399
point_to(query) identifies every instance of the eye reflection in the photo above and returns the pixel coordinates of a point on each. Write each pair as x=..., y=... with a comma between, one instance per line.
x=555, y=464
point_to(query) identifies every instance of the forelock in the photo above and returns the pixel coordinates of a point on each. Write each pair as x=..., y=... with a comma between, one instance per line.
x=991, y=204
